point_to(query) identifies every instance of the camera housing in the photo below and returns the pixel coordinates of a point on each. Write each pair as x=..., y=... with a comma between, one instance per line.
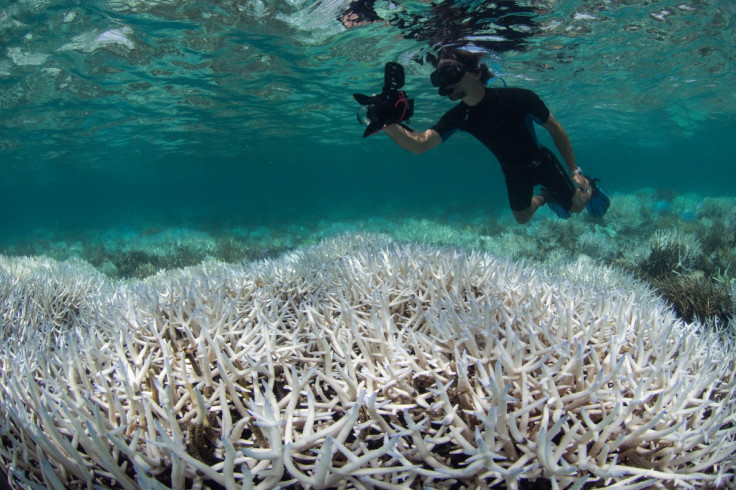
x=390, y=106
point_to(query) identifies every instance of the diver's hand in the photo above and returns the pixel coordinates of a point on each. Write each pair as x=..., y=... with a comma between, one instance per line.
x=398, y=108
x=379, y=111
x=582, y=193
x=582, y=182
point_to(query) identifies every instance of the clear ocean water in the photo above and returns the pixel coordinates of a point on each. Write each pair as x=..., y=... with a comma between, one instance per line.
x=127, y=119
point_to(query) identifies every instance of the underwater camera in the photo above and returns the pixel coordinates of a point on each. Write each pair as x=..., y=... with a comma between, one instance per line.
x=390, y=106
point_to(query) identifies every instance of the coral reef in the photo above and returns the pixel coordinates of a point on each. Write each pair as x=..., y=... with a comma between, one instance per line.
x=653, y=233
x=598, y=244
x=670, y=252
x=674, y=262
x=630, y=213
x=358, y=362
x=232, y=249
x=696, y=298
x=37, y=292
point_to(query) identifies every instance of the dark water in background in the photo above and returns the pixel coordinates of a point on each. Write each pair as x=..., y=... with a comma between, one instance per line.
x=127, y=113
x=323, y=182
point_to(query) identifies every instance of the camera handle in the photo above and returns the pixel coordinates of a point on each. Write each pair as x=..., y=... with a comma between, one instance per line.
x=393, y=77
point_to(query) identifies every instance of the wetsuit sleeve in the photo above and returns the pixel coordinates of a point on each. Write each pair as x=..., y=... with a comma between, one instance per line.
x=535, y=107
x=450, y=121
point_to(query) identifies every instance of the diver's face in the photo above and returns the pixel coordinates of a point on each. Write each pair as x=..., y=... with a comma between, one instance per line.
x=457, y=91
x=451, y=78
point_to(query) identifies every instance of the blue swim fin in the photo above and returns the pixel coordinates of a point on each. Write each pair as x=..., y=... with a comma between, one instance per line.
x=599, y=201
x=555, y=206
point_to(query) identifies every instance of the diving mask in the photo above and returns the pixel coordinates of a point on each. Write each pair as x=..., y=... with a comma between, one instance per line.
x=447, y=74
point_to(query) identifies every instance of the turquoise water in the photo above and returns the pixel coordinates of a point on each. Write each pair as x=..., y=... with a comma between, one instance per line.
x=127, y=111
x=123, y=119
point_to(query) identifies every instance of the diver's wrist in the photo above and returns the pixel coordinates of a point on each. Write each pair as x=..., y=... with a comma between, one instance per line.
x=390, y=128
x=577, y=171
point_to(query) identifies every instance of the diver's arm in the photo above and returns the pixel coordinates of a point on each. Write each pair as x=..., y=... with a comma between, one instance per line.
x=561, y=141
x=414, y=142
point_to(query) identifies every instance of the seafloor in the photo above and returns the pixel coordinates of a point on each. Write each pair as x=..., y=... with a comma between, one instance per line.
x=683, y=245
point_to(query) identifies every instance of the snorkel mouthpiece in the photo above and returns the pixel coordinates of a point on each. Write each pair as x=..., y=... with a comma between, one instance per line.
x=444, y=91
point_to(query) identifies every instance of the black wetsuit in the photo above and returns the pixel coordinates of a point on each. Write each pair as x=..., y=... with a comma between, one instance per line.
x=504, y=122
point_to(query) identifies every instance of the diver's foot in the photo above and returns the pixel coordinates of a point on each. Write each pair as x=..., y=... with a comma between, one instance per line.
x=538, y=201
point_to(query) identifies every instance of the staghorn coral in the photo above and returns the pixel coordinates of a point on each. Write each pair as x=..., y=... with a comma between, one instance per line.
x=363, y=363
x=670, y=252
x=598, y=244
x=630, y=213
x=41, y=293
x=426, y=231
x=696, y=298
x=715, y=207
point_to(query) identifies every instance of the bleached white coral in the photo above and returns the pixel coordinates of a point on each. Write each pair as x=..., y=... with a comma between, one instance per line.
x=665, y=252
x=629, y=213
x=365, y=363
x=681, y=250
x=715, y=207
x=510, y=244
x=427, y=231
x=42, y=294
x=598, y=244
x=168, y=241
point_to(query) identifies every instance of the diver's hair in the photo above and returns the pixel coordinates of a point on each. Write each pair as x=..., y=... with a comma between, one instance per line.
x=470, y=61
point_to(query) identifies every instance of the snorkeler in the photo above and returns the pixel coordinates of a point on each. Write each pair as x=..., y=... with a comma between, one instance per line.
x=501, y=118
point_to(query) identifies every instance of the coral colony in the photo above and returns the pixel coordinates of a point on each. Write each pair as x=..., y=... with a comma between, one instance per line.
x=358, y=363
